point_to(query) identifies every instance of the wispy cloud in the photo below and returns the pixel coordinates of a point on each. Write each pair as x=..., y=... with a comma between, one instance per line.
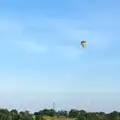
x=72, y=32
x=48, y=35
x=65, y=51
x=33, y=47
x=10, y=26
x=69, y=51
x=61, y=36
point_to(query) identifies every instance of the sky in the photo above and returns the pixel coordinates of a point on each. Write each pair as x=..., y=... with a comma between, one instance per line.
x=42, y=61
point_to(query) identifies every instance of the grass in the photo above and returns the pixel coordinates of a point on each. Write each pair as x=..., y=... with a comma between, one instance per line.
x=56, y=118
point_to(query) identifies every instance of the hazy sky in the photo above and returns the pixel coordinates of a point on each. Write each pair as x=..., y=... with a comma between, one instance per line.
x=41, y=59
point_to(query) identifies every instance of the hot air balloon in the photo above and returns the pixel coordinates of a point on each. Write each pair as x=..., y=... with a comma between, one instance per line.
x=83, y=43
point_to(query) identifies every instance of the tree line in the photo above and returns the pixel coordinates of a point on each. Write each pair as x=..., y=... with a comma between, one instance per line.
x=5, y=114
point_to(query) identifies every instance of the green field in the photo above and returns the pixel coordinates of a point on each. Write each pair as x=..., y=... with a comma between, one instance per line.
x=56, y=118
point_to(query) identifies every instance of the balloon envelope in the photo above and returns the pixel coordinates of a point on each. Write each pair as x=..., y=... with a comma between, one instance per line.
x=83, y=43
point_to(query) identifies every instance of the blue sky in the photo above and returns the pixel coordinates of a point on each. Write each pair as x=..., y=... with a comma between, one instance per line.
x=41, y=59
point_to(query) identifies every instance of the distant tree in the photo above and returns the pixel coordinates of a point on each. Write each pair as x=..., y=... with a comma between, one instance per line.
x=5, y=114
x=73, y=113
x=48, y=112
x=14, y=112
x=63, y=113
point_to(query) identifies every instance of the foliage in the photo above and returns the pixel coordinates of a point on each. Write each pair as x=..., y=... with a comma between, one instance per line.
x=57, y=115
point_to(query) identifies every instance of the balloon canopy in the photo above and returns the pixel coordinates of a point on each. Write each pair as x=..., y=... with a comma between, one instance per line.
x=83, y=43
